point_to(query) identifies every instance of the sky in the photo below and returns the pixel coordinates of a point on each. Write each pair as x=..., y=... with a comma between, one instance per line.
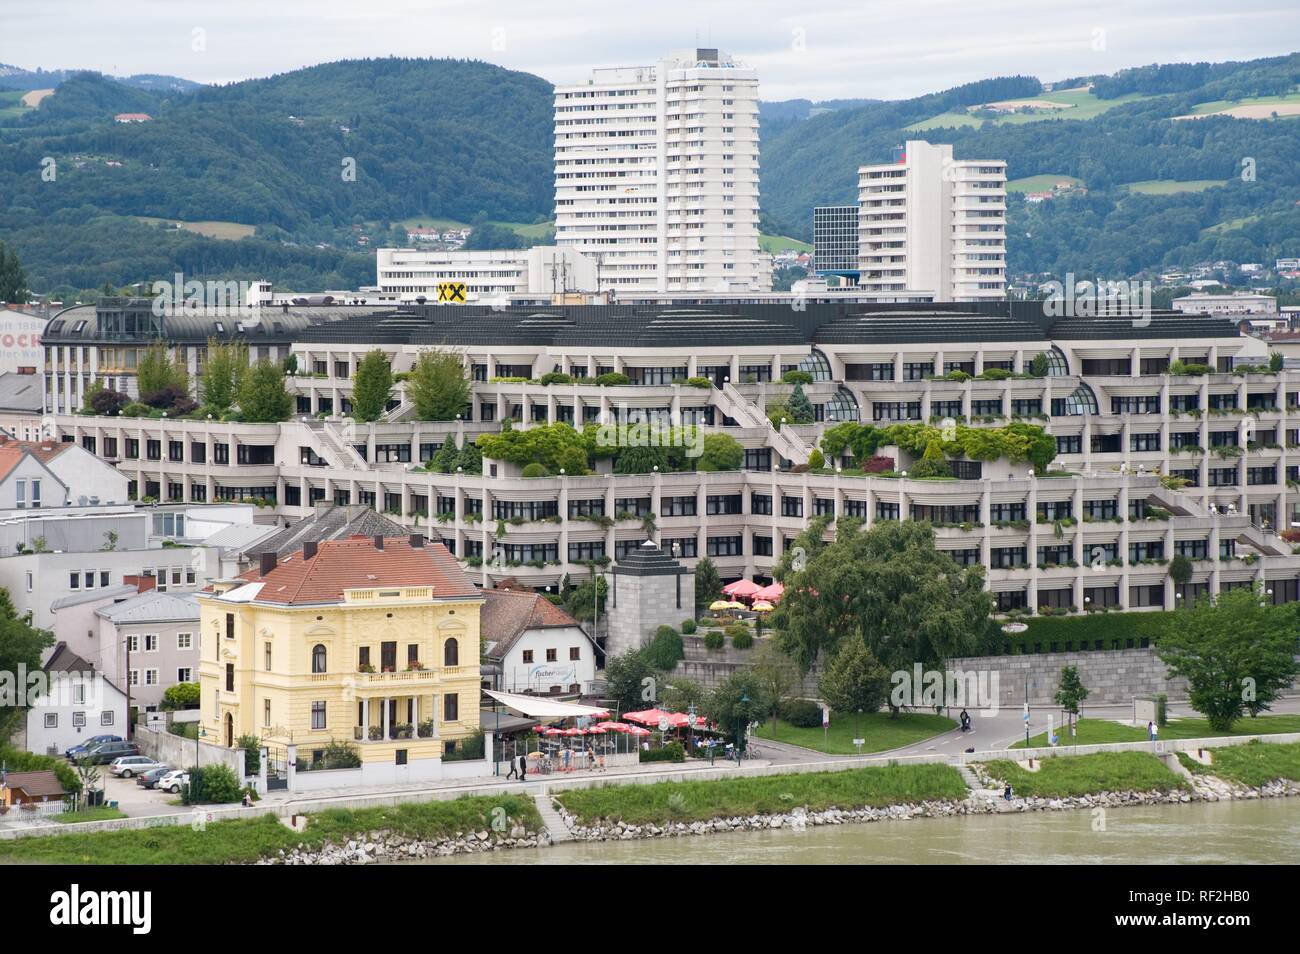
x=813, y=49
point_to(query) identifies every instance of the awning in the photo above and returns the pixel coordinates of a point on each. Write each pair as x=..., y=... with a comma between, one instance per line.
x=540, y=708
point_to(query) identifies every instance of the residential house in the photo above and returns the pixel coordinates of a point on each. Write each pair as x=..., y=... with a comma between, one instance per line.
x=79, y=702
x=366, y=641
x=150, y=642
x=537, y=645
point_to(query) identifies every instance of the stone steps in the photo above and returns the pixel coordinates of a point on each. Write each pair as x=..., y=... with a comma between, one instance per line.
x=556, y=829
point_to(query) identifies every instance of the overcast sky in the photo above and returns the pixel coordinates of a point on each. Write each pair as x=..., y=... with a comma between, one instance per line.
x=818, y=49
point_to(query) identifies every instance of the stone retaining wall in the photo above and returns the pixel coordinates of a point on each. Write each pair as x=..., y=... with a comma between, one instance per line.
x=1110, y=676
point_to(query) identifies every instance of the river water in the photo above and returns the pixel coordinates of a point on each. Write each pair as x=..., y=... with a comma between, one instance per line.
x=1242, y=832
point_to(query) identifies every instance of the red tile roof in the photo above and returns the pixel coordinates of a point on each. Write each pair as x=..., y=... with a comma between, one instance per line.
x=356, y=563
x=12, y=452
x=508, y=614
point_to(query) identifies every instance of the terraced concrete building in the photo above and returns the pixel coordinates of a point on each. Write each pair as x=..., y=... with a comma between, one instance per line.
x=1171, y=439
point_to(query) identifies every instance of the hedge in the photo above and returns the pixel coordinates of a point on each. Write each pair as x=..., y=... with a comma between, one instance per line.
x=1112, y=630
x=802, y=713
x=672, y=752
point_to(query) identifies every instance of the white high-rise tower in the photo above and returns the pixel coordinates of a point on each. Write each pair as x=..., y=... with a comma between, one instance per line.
x=656, y=175
x=930, y=222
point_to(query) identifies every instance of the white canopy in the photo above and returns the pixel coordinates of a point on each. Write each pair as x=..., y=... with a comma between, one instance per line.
x=540, y=708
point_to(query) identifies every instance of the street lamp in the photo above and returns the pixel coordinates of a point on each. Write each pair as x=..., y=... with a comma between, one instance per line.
x=740, y=736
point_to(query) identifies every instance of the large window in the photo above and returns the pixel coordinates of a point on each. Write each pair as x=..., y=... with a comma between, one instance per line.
x=318, y=659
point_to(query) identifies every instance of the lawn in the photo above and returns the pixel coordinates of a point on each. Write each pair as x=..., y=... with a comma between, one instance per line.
x=1253, y=764
x=245, y=841
x=11, y=103
x=98, y=813
x=1095, y=731
x=211, y=229
x=1172, y=186
x=781, y=243
x=690, y=801
x=1220, y=105
x=880, y=732
x=1082, y=105
x=1041, y=183
x=1063, y=776
x=1231, y=225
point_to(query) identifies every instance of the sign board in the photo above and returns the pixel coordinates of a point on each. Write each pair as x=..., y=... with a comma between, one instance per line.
x=826, y=716
x=1015, y=627
x=451, y=292
x=664, y=725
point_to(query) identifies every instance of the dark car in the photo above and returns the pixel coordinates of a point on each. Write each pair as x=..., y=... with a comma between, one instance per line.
x=150, y=778
x=82, y=748
x=105, y=752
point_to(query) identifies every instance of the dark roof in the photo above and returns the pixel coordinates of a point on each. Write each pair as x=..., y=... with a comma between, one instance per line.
x=648, y=560
x=329, y=522
x=266, y=325
x=908, y=327
x=36, y=784
x=507, y=614
x=1158, y=324
x=64, y=659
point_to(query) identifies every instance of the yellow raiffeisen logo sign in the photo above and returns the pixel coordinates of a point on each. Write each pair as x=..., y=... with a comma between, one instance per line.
x=451, y=291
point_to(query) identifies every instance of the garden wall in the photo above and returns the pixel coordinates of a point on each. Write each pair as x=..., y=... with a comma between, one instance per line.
x=710, y=667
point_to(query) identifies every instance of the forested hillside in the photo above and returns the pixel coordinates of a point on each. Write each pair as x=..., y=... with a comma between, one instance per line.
x=297, y=177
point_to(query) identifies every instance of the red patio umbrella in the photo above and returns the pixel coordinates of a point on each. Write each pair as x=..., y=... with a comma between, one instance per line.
x=647, y=716
x=744, y=588
x=771, y=592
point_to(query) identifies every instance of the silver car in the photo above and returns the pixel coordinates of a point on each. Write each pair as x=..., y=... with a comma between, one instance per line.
x=129, y=765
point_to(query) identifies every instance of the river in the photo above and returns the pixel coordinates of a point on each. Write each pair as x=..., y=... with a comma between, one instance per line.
x=1241, y=832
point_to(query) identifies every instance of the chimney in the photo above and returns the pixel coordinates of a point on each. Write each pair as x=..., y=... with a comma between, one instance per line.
x=309, y=549
x=379, y=541
x=268, y=562
x=142, y=584
x=417, y=541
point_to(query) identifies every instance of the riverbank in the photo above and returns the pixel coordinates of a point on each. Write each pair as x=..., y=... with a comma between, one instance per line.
x=623, y=812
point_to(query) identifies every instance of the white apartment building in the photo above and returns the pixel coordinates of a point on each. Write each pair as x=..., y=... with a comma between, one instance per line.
x=930, y=222
x=656, y=174
x=407, y=274
x=1230, y=305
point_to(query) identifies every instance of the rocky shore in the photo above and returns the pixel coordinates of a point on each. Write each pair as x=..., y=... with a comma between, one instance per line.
x=388, y=848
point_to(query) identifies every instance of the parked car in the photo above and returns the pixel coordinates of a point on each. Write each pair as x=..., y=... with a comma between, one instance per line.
x=150, y=778
x=174, y=781
x=129, y=765
x=80, y=749
x=106, y=752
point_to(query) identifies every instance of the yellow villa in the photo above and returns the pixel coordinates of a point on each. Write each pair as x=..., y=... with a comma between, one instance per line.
x=369, y=641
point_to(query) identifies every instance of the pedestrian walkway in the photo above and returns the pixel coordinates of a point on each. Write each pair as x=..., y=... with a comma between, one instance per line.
x=555, y=826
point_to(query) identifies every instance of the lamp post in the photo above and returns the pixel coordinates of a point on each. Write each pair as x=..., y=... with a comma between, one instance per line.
x=740, y=725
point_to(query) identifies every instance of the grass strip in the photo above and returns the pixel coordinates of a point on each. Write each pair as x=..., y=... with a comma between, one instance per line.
x=247, y=840
x=687, y=801
x=1066, y=775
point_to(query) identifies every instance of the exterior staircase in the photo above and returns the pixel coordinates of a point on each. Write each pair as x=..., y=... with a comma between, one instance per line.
x=785, y=442
x=342, y=453
x=555, y=827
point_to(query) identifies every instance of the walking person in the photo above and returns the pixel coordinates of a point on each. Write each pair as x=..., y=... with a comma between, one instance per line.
x=1155, y=731
x=523, y=768
x=514, y=767
x=1151, y=731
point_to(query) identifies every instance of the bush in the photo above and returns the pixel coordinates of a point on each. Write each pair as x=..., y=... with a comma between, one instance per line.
x=688, y=627
x=672, y=752
x=212, y=783
x=612, y=379
x=795, y=376
x=714, y=639
x=534, y=470
x=340, y=755
x=136, y=409
x=252, y=747
x=740, y=640
x=816, y=460
x=18, y=761
x=555, y=377
x=107, y=402
x=666, y=649
x=183, y=695
x=802, y=713
x=737, y=629
x=699, y=383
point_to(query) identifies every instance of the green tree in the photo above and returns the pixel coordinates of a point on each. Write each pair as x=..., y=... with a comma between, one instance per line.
x=1237, y=654
x=182, y=695
x=631, y=681
x=777, y=676
x=13, y=280
x=681, y=694
x=223, y=373
x=444, y=462
x=1180, y=569
x=801, y=409
x=1070, y=693
x=890, y=587
x=21, y=645
x=371, y=386
x=933, y=464
x=437, y=386
x=263, y=398
x=708, y=584
x=160, y=371
x=1039, y=365
x=721, y=452
x=470, y=459
x=640, y=460
x=854, y=680
x=736, y=702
